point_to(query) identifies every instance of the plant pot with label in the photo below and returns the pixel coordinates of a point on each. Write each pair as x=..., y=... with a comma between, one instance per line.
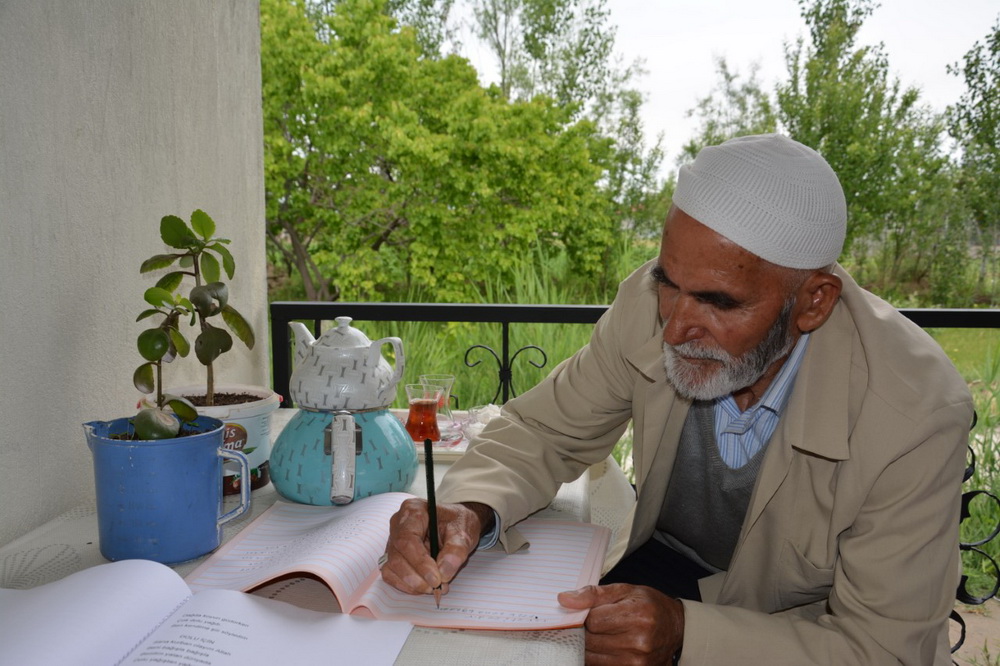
x=246, y=412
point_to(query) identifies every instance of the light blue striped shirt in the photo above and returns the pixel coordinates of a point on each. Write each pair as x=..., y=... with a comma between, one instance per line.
x=740, y=435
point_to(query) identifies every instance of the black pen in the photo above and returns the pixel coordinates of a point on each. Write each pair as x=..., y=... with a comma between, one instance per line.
x=432, y=527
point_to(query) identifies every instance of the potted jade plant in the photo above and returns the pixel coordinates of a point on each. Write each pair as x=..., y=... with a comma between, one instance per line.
x=196, y=266
x=157, y=473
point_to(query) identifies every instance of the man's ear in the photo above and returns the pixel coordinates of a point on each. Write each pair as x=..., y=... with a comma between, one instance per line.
x=815, y=300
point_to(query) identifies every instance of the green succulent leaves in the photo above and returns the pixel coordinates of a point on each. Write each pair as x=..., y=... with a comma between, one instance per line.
x=211, y=343
x=205, y=258
x=182, y=407
x=176, y=233
x=197, y=244
x=155, y=423
x=143, y=378
x=152, y=423
x=153, y=343
x=209, y=299
x=202, y=224
x=238, y=325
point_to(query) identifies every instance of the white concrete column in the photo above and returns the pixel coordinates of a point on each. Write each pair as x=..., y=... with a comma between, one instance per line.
x=113, y=113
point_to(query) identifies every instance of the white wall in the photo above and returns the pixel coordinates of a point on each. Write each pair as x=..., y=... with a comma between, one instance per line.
x=113, y=113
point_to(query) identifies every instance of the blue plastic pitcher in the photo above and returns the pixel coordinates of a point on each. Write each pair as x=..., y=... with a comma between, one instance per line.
x=161, y=500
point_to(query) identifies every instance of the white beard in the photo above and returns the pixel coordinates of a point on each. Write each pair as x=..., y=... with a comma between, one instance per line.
x=734, y=372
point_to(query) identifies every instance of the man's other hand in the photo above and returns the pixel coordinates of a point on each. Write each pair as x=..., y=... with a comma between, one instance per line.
x=628, y=624
x=410, y=567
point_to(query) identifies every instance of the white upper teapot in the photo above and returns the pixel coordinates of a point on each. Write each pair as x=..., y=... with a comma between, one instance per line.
x=343, y=369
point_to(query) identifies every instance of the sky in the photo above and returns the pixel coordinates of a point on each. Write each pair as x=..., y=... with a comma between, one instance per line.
x=680, y=40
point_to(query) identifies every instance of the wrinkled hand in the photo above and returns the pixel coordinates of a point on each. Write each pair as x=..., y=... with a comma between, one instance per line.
x=410, y=567
x=628, y=624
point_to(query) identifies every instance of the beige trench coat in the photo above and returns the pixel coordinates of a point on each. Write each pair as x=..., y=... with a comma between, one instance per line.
x=849, y=550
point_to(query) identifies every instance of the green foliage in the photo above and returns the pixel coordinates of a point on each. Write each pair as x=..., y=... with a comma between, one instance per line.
x=976, y=354
x=428, y=17
x=974, y=122
x=159, y=345
x=202, y=256
x=734, y=108
x=385, y=168
x=912, y=210
x=563, y=49
x=442, y=347
x=558, y=48
x=883, y=145
x=985, y=445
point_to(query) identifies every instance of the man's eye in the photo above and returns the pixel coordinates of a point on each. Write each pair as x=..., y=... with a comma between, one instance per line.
x=720, y=303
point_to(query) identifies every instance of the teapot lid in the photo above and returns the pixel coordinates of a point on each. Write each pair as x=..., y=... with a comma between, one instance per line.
x=343, y=335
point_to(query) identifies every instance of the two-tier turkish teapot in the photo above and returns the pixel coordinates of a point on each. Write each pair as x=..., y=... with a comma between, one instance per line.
x=344, y=443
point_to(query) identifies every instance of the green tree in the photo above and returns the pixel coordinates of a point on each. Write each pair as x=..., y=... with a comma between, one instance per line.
x=564, y=49
x=884, y=145
x=429, y=18
x=974, y=122
x=558, y=48
x=734, y=108
x=638, y=201
x=387, y=168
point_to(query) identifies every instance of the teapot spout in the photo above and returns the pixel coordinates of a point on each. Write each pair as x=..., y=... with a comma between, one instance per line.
x=303, y=341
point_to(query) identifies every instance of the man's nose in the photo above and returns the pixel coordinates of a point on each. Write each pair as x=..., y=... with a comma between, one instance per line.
x=682, y=322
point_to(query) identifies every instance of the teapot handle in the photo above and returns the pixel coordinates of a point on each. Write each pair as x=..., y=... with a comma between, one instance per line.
x=342, y=443
x=397, y=347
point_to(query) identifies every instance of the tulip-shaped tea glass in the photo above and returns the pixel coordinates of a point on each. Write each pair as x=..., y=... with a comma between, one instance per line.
x=421, y=422
x=450, y=432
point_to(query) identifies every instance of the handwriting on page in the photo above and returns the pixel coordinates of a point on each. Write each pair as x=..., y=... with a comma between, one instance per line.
x=516, y=591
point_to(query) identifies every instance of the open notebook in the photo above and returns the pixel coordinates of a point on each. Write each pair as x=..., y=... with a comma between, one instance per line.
x=339, y=546
x=141, y=612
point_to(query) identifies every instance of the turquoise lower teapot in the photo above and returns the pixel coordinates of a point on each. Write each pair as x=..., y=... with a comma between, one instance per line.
x=334, y=457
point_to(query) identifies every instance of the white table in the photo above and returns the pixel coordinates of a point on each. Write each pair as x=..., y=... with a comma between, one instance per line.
x=69, y=543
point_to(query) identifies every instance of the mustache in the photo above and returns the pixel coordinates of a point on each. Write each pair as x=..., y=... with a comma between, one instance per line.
x=697, y=351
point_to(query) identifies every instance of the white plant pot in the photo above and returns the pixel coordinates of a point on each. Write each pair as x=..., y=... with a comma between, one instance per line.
x=248, y=430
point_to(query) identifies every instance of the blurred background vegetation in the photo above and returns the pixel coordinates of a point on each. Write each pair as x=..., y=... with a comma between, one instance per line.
x=393, y=174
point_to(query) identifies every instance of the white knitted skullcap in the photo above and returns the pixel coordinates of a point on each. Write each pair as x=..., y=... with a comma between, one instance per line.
x=771, y=196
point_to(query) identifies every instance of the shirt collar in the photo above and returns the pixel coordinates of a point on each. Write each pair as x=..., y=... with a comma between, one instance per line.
x=776, y=396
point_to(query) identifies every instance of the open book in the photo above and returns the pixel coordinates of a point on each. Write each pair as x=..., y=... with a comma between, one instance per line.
x=141, y=612
x=340, y=547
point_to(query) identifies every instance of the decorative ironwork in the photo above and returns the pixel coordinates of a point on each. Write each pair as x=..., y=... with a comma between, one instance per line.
x=505, y=368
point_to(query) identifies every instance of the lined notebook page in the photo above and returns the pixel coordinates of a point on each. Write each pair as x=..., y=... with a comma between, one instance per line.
x=341, y=545
x=500, y=591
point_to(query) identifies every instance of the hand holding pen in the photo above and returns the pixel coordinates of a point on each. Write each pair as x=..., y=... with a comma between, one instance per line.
x=407, y=563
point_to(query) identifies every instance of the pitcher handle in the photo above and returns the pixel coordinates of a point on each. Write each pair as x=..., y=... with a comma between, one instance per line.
x=397, y=348
x=238, y=457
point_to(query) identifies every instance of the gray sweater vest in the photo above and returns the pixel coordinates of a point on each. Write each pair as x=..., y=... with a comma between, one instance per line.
x=706, y=501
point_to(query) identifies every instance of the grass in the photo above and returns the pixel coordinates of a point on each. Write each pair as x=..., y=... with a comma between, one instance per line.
x=984, y=382
x=968, y=348
x=987, y=659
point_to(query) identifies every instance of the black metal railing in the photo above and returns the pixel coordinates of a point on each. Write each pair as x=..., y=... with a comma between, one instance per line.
x=317, y=312
x=283, y=312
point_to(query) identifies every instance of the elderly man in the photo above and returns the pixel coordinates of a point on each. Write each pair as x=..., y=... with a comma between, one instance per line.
x=798, y=444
